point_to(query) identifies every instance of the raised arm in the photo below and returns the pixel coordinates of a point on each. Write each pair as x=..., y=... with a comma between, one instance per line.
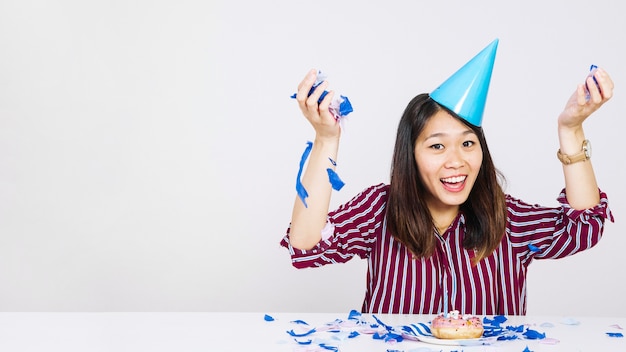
x=307, y=222
x=580, y=181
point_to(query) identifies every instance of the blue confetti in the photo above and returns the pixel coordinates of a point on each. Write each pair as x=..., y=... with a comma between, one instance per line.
x=533, y=248
x=328, y=347
x=496, y=321
x=381, y=323
x=527, y=350
x=516, y=328
x=379, y=336
x=615, y=334
x=268, y=318
x=354, y=314
x=334, y=179
x=534, y=335
x=300, y=322
x=294, y=334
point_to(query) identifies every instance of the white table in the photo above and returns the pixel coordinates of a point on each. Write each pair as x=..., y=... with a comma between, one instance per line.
x=153, y=332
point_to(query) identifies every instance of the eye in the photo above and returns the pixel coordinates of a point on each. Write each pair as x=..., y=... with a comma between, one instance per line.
x=437, y=146
x=468, y=143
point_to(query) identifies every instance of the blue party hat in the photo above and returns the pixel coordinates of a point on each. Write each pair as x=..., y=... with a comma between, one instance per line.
x=465, y=92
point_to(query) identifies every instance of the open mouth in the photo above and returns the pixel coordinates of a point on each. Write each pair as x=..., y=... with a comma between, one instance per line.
x=454, y=183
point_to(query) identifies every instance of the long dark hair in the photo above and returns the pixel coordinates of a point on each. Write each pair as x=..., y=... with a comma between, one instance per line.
x=408, y=217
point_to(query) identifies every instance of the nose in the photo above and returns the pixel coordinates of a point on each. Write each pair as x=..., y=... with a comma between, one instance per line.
x=454, y=159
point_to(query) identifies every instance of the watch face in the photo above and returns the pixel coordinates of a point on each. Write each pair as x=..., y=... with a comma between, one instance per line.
x=587, y=149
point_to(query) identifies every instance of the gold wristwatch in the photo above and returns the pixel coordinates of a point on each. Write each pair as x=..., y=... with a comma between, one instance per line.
x=583, y=155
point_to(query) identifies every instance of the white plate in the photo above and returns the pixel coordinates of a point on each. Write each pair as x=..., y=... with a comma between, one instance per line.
x=451, y=342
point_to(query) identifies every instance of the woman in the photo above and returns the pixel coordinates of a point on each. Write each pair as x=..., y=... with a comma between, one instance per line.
x=443, y=235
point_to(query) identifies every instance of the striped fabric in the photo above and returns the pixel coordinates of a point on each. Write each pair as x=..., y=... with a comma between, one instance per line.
x=398, y=283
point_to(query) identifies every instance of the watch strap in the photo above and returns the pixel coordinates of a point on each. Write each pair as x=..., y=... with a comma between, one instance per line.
x=583, y=155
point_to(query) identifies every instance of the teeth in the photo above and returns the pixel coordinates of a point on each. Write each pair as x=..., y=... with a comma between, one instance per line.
x=455, y=179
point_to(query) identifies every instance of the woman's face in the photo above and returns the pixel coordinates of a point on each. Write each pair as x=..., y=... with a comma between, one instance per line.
x=448, y=156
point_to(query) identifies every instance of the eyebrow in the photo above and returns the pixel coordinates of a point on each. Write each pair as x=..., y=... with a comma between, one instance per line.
x=442, y=134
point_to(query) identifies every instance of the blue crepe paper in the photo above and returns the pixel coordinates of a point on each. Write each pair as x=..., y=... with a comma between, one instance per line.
x=615, y=334
x=346, y=107
x=496, y=321
x=534, y=335
x=339, y=107
x=328, y=347
x=295, y=334
x=354, y=314
x=336, y=182
x=519, y=328
x=302, y=193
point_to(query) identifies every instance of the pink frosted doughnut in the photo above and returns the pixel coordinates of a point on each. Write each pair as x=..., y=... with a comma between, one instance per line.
x=456, y=326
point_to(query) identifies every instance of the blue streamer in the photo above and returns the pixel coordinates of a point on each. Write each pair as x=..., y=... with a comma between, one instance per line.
x=295, y=334
x=302, y=193
x=334, y=179
x=329, y=347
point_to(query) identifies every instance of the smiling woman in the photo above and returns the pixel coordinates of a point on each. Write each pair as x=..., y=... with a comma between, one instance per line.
x=443, y=235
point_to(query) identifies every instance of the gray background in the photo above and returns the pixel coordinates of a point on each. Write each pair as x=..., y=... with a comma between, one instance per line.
x=148, y=149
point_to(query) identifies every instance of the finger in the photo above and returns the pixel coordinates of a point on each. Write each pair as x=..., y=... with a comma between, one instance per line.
x=325, y=103
x=581, y=94
x=595, y=94
x=305, y=86
x=605, y=82
x=313, y=99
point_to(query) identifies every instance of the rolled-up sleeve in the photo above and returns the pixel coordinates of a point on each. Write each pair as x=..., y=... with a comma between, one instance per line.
x=351, y=230
x=551, y=233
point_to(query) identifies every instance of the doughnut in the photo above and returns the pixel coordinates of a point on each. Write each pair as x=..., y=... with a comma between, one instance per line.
x=456, y=326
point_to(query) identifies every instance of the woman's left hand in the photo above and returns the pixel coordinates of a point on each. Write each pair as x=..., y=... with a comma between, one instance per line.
x=587, y=98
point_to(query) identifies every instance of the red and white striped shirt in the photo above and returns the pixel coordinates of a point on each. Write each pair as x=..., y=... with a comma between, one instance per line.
x=398, y=283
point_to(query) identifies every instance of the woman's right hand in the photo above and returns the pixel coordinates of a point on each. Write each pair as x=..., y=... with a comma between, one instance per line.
x=323, y=121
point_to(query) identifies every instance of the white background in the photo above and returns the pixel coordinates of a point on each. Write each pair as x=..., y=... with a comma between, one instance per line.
x=149, y=149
